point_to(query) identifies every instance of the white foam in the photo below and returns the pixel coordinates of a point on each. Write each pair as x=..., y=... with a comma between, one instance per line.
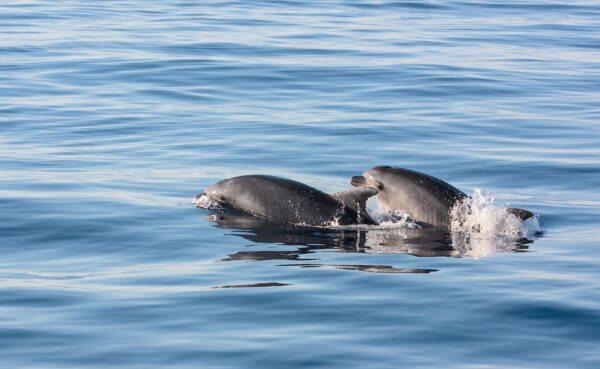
x=395, y=219
x=385, y=219
x=479, y=228
x=479, y=215
x=205, y=202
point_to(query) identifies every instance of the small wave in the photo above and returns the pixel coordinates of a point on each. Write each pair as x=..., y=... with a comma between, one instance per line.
x=365, y=268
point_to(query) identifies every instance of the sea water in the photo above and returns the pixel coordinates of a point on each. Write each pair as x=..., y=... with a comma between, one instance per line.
x=115, y=114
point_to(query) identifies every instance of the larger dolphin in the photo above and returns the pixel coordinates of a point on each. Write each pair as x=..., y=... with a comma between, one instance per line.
x=287, y=201
x=426, y=199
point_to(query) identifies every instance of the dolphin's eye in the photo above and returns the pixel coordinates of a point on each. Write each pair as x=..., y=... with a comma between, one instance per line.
x=379, y=186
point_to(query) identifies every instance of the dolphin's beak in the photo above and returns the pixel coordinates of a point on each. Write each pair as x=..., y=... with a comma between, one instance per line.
x=358, y=181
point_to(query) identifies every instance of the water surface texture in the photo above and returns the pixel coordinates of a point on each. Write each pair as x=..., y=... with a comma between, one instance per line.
x=114, y=114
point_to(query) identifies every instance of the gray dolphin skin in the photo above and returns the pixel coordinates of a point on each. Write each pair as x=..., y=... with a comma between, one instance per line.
x=426, y=199
x=287, y=201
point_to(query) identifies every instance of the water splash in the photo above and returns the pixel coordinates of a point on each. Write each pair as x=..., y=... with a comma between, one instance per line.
x=479, y=228
x=205, y=202
x=478, y=214
x=387, y=219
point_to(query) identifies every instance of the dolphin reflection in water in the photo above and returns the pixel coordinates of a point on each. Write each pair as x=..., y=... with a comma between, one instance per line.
x=306, y=241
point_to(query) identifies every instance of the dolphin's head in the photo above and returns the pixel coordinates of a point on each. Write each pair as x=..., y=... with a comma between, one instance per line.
x=244, y=193
x=374, y=178
x=217, y=196
x=220, y=192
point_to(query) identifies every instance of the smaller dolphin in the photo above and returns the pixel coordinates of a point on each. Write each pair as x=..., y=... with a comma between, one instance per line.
x=426, y=199
x=287, y=201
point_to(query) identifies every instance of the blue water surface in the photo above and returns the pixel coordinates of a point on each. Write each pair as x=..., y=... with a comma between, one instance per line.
x=114, y=114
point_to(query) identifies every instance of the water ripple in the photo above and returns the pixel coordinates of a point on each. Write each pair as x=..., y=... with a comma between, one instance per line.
x=114, y=114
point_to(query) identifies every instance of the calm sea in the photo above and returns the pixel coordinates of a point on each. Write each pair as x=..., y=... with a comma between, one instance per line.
x=114, y=114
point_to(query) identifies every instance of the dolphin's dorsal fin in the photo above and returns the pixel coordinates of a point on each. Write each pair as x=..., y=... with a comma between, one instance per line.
x=522, y=214
x=355, y=198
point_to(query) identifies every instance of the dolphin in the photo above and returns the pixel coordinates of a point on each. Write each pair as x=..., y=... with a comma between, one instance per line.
x=286, y=201
x=426, y=199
